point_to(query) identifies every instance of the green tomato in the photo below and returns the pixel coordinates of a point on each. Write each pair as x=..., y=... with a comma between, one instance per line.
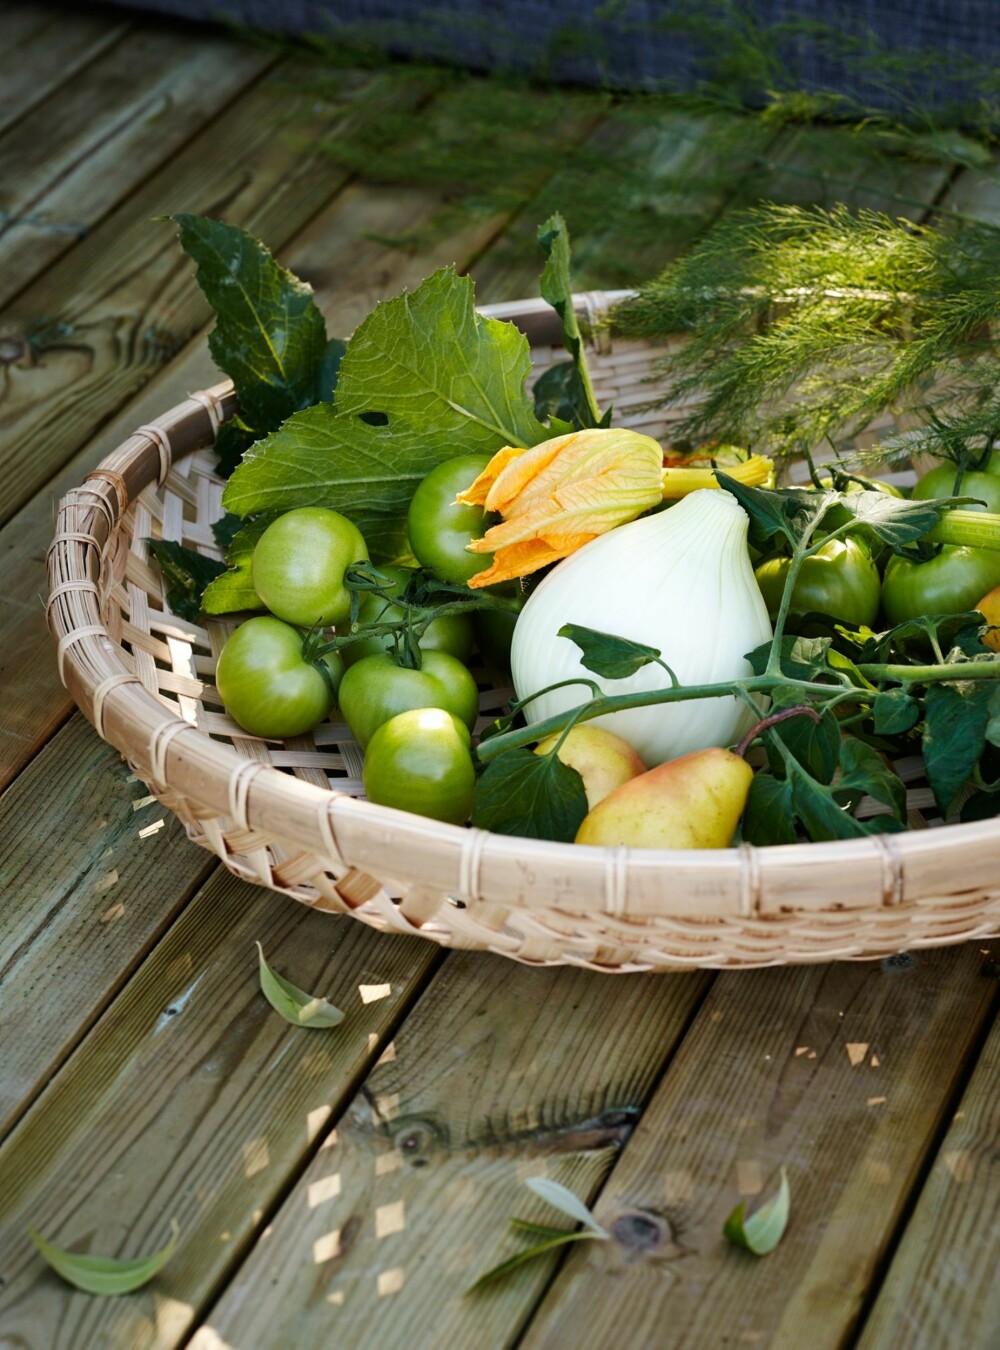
x=421, y=761
x=954, y=581
x=375, y=689
x=840, y=580
x=299, y=563
x=267, y=686
x=940, y=482
x=439, y=529
x=451, y=633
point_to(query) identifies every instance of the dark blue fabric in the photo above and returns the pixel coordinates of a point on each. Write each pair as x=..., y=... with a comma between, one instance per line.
x=636, y=44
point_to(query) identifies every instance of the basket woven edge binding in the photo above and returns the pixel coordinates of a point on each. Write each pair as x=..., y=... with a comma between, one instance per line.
x=496, y=878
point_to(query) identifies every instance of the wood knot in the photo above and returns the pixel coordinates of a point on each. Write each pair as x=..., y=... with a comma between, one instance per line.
x=419, y=1138
x=12, y=350
x=641, y=1231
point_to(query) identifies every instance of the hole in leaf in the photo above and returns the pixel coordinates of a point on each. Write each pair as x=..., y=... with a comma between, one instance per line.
x=374, y=419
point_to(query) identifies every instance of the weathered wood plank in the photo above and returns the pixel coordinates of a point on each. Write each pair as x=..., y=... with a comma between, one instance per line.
x=500, y=1073
x=93, y=872
x=840, y=1073
x=942, y=1288
x=43, y=49
x=192, y=1099
x=95, y=327
x=94, y=141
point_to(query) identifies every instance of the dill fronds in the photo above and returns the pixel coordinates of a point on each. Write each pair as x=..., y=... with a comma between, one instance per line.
x=806, y=324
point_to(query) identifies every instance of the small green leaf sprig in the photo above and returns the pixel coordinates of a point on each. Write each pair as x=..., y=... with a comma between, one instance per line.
x=764, y=1229
x=563, y=1199
x=294, y=1004
x=104, y=1274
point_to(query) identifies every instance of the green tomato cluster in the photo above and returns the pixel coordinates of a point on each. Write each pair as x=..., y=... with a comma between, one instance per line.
x=264, y=679
x=413, y=723
x=855, y=579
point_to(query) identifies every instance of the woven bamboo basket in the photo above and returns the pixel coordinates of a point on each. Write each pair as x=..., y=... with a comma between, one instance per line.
x=289, y=815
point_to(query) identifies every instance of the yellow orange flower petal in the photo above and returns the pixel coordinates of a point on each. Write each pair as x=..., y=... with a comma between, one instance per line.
x=557, y=496
x=476, y=494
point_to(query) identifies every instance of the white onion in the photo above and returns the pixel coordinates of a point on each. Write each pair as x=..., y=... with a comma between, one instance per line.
x=680, y=581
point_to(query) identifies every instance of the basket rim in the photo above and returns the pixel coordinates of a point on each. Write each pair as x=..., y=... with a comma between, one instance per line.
x=464, y=862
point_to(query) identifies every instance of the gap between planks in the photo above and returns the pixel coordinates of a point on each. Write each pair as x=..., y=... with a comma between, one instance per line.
x=941, y=1287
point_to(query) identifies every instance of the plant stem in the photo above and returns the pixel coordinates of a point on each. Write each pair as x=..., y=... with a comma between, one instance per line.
x=973, y=529
x=761, y=684
x=957, y=671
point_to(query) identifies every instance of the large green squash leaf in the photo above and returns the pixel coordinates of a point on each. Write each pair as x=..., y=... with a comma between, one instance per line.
x=424, y=378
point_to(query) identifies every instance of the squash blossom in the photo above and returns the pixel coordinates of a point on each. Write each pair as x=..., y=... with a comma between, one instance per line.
x=559, y=495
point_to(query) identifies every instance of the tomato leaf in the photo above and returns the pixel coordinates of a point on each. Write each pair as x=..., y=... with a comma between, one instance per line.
x=269, y=336
x=863, y=772
x=993, y=722
x=329, y=369
x=980, y=806
x=234, y=589
x=613, y=658
x=443, y=380
x=104, y=1274
x=774, y=511
x=187, y=573
x=537, y=796
x=769, y=815
x=823, y=809
x=293, y=1003
x=762, y=1232
x=816, y=745
x=955, y=722
x=896, y=520
x=802, y=658
x=946, y=629
x=895, y=711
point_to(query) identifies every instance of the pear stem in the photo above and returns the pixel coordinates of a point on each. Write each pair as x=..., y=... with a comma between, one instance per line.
x=800, y=710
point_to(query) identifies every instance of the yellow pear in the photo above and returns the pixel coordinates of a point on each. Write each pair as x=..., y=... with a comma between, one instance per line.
x=989, y=608
x=603, y=760
x=692, y=802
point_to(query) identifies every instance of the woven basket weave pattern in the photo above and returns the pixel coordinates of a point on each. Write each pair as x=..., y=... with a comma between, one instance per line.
x=145, y=678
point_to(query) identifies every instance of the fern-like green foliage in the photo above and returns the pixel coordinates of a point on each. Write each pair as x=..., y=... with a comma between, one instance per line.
x=806, y=324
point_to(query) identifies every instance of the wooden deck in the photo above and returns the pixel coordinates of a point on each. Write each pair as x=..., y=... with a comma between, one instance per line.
x=345, y=1187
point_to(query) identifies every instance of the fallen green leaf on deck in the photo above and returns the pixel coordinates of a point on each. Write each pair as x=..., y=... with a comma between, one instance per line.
x=762, y=1232
x=104, y=1274
x=559, y=1197
x=562, y=1198
x=293, y=1003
